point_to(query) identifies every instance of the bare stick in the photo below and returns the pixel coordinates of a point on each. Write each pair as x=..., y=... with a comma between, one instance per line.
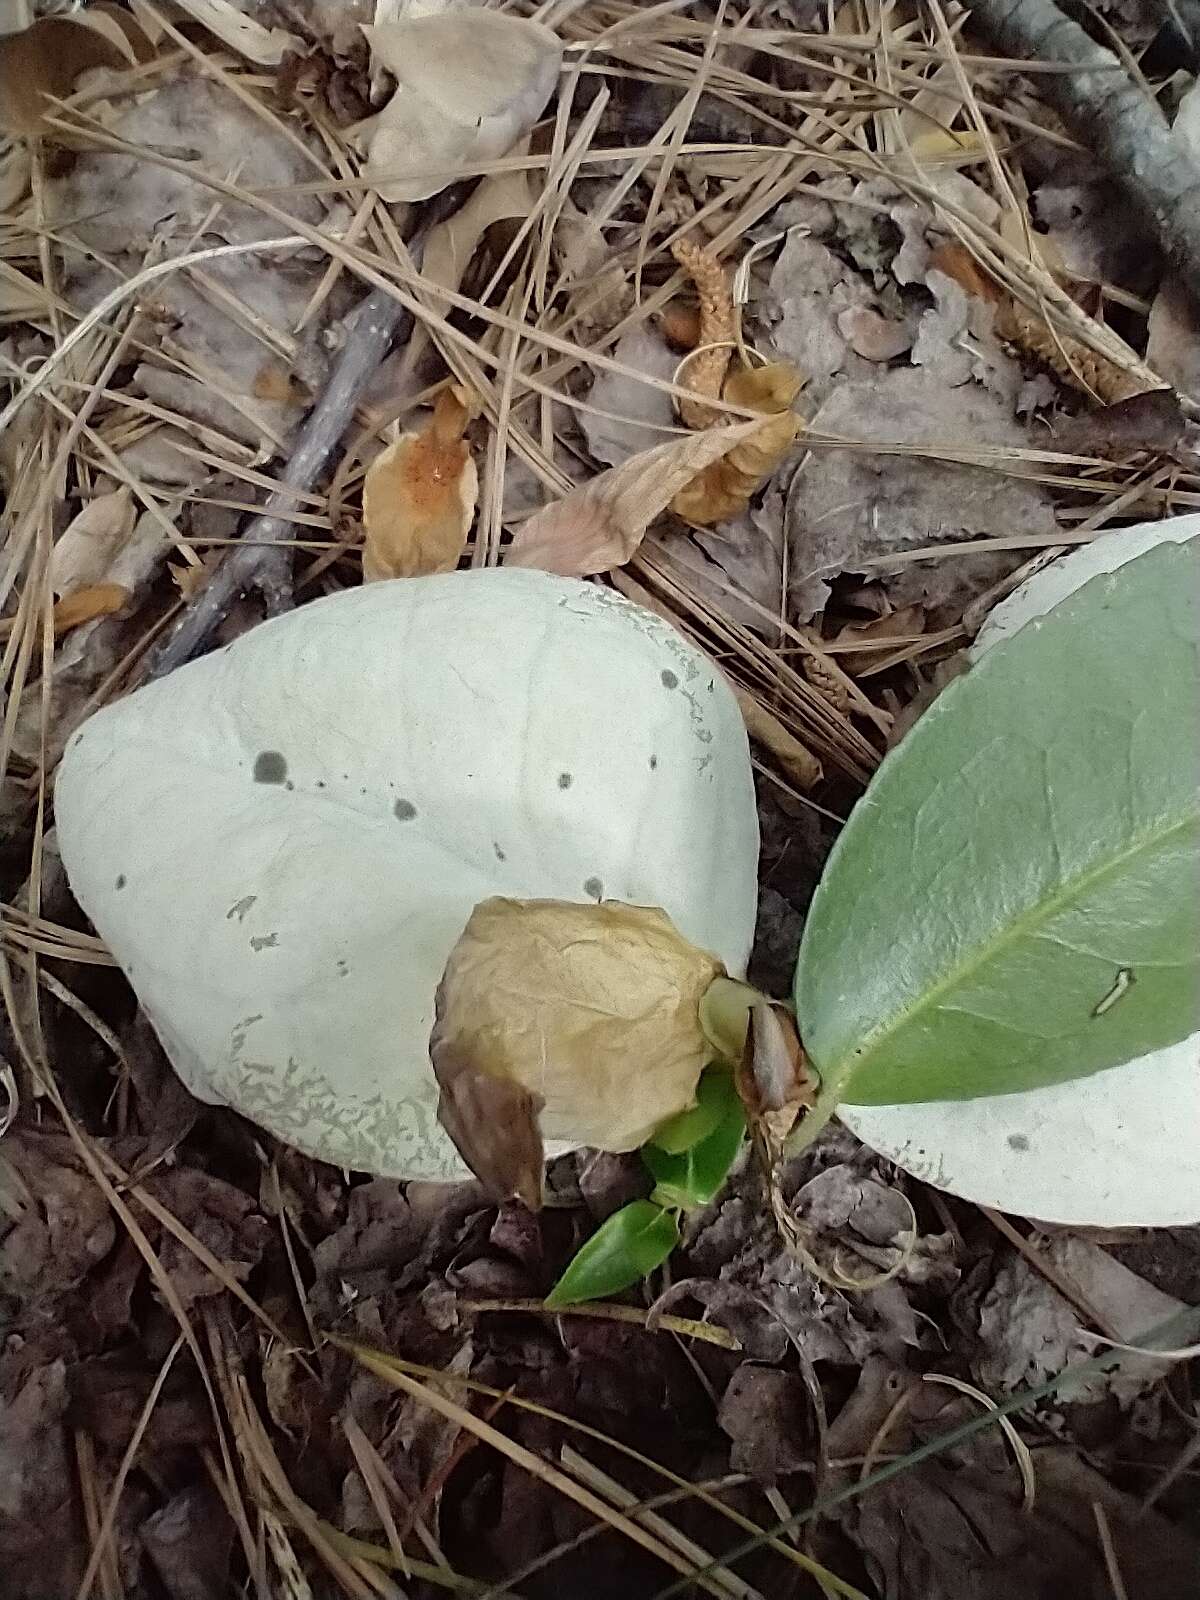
x=263, y=559
x=1114, y=117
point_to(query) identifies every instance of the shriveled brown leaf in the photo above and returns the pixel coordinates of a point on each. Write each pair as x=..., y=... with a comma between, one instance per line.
x=85, y=605
x=494, y=1124
x=419, y=497
x=1152, y=420
x=902, y=623
x=599, y=525
x=723, y=488
x=591, y=1011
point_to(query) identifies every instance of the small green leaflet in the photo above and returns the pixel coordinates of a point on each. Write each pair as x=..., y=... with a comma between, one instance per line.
x=689, y=1127
x=631, y=1243
x=1016, y=899
x=695, y=1176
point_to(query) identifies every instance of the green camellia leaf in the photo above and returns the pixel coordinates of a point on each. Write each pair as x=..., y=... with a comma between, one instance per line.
x=689, y=1127
x=631, y=1243
x=1016, y=899
x=694, y=1176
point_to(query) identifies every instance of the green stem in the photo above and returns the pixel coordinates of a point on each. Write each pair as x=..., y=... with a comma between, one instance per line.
x=828, y=1099
x=725, y=1016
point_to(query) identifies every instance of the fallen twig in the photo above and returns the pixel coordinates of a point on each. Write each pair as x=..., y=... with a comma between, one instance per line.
x=262, y=560
x=1115, y=116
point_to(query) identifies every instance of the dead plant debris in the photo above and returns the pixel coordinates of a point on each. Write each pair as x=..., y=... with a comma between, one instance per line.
x=810, y=329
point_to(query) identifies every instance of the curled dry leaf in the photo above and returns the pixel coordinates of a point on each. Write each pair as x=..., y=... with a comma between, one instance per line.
x=498, y=197
x=600, y=524
x=419, y=497
x=722, y=489
x=85, y=551
x=470, y=84
x=573, y=1022
x=41, y=64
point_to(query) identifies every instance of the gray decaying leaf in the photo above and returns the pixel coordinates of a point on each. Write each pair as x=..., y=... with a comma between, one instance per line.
x=190, y=1541
x=1028, y=1331
x=647, y=413
x=241, y=365
x=765, y=1414
x=36, y=1478
x=945, y=1533
x=847, y=508
x=738, y=1245
x=1153, y=420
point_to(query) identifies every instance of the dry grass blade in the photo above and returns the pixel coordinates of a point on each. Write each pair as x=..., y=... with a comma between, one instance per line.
x=584, y=1431
x=592, y=1477
x=533, y=1464
x=686, y=1327
x=104, y=1533
x=1018, y=1446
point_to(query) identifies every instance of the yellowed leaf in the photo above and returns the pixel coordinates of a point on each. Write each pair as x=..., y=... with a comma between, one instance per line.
x=85, y=605
x=419, y=497
x=592, y=1010
x=599, y=525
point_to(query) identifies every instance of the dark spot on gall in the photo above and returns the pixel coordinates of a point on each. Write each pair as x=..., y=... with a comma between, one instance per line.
x=289, y=784
x=121, y=880
x=1018, y=1141
x=594, y=888
x=500, y=855
x=565, y=780
x=653, y=763
x=405, y=810
x=269, y=767
x=669, y=680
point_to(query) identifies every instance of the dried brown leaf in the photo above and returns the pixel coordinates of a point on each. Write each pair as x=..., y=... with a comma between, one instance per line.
x=88, y=547
x=419, y=497
x=42, y=63
x=85, y=605
x=582, y=1020
x=599, y=525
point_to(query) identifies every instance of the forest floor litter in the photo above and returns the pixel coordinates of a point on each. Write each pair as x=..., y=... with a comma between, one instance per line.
x=815, y=330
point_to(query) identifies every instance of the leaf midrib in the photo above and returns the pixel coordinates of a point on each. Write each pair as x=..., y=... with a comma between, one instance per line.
x=1018, y=929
